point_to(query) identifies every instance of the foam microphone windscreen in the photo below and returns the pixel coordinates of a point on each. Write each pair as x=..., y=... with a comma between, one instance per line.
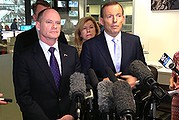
x=77, y=85
x=141, y=71
x=123, y=98
x=105, y=96
x=138, y=69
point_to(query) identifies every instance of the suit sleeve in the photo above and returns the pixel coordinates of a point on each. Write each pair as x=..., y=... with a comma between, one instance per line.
x=28, y=106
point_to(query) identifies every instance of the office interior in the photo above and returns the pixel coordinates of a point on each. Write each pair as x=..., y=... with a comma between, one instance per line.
x=158, y=31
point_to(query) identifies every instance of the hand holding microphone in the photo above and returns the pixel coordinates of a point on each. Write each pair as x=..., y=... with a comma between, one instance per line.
x=4, y=101
x=168, y=63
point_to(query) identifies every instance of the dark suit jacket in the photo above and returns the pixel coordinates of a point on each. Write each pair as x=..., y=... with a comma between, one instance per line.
x=27, y=38
x=95, y=54
x=34, y=84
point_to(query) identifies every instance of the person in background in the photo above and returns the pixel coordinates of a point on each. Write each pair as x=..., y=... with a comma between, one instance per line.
x=27, y=38
x=68, y=27
x=7, y=28
x=68, y=24
x=100, y=26
x=1, y=27
x=174, y=85
x=2, y=102
x=14, y=24
x=98, y=53
x=40, y=95
x=86, y=29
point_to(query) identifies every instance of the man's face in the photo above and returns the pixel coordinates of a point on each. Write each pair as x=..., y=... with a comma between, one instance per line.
x=112, y=19
x=39, y=8
x=49, y=27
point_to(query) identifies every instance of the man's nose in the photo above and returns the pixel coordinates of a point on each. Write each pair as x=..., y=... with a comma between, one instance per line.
x=114, y=19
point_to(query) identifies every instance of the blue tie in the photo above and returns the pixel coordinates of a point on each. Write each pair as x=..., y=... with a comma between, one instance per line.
x=54, y=67
x=117, y=59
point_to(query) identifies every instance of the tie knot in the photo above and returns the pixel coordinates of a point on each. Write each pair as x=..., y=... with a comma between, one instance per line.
x=114, y=40
x=51, y=50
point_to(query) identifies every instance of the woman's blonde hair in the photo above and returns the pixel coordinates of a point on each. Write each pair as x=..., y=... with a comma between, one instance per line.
x=79, y=28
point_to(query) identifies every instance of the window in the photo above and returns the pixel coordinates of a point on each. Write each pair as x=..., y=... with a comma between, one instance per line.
x=61, y=4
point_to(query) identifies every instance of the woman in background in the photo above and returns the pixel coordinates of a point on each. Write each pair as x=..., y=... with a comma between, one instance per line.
x=86, y=29
x=174, y=84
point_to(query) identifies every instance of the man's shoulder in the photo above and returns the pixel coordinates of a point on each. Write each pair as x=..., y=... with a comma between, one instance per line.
x=95, y=39
x=129, y=34
x=26, y=34
x=65, y=46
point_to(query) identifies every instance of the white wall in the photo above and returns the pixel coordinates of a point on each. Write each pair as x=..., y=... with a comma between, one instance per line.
x=159, y=31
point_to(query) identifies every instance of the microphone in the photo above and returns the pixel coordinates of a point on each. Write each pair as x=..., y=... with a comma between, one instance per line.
x=123, y=99
x=93, y=78
x=89, y=96
x=172, y=66
x=6, y=99
x=165, y=60
x=111, y=74
x=105, y=98
x=77, y=90
x=168, y=63
x=138, y=69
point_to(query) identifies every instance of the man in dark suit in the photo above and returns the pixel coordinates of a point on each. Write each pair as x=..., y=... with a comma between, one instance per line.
x=100, y=52
x=36, y=92
x=27, y=38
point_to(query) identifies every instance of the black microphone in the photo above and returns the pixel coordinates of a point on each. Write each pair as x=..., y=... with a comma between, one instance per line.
x=138, y=69
x=172, y=66
x=111, y=74
x=93, y=78
x=105, y=98
x=77, y=90
x=5, y=99
x=123, y=99
x=168, y=63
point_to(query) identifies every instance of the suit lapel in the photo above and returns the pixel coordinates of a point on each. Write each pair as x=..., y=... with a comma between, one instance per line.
x=103, y=48
x=63, y=56
x=42, y=63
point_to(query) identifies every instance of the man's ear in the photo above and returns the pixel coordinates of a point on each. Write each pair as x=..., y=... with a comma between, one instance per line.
x=34, y=17
x=123, y=19
x=101, y=21
x=37, y=25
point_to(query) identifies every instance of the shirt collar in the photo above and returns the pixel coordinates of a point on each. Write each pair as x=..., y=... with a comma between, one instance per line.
x=108, y=37
x=46, y=47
